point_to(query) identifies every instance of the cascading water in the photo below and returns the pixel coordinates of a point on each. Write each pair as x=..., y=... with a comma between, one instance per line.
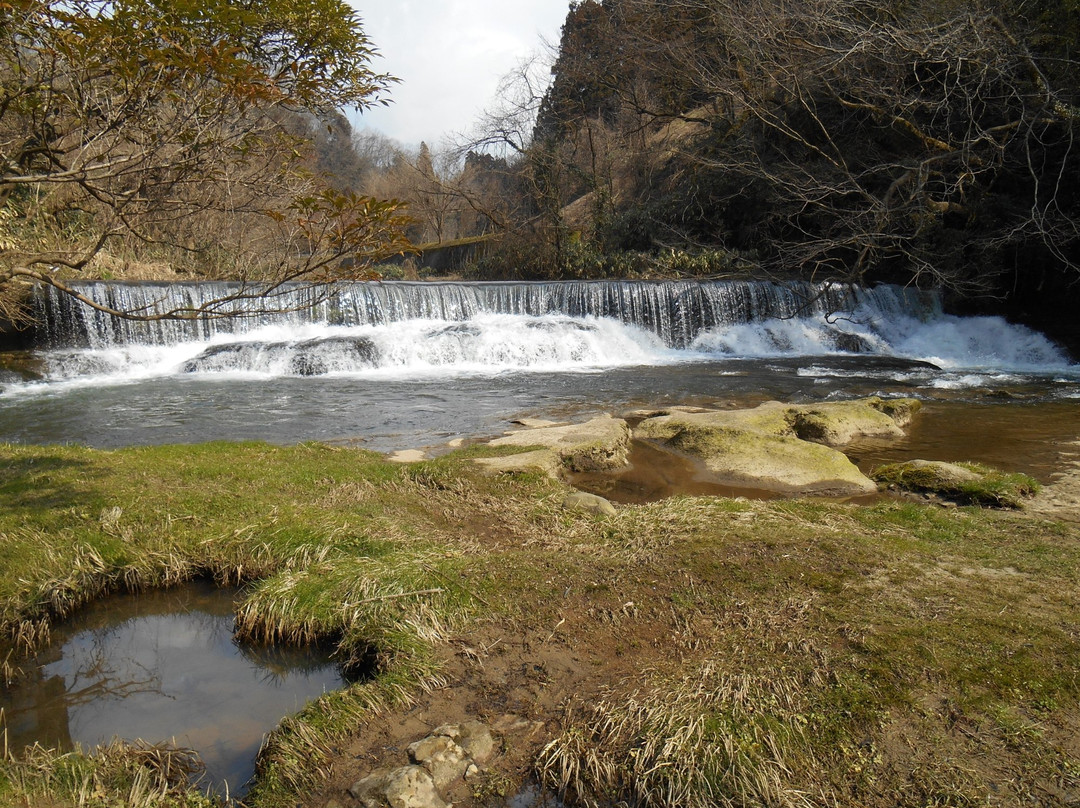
x=305, y=330
x=675, y=311
x=439, y=360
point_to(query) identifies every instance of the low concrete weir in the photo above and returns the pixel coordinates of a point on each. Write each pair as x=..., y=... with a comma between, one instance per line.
x=677, y=312
x=408, y=365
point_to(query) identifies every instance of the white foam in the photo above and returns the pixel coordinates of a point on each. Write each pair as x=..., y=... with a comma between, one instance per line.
x=950, y=342
x=973, y=351
x=485, y=344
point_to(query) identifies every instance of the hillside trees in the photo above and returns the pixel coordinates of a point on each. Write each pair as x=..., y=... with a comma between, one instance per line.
x=877, y=144
x=925, y=141
x=153, y=127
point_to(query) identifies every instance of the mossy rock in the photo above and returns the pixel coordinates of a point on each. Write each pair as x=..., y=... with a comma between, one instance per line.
x=834, y=423
x=600, y=444
x=758, y=449
x=839, y=423
x=967, y=483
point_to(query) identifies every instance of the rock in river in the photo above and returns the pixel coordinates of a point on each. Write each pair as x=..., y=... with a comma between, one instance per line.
x=782, y=447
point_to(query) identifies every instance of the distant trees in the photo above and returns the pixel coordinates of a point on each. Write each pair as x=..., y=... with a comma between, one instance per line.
x=919, y=141
x=165, y=128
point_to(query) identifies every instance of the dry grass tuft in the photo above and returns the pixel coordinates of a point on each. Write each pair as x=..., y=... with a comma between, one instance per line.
x=712, y=738
x=131, y=775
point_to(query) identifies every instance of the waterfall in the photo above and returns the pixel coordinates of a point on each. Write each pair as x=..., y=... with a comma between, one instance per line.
x=401, y=364
x=560, y=326
x=677, y=312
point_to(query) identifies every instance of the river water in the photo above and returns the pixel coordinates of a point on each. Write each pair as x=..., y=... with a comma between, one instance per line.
x=395, y=366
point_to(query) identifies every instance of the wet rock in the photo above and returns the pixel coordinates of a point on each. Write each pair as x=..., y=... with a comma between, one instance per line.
x=473, y=736
x=969, y=483
x=597, y=445
x=511, y=724
x=536, y=423
x=839, y=423
x=589, y=503
x=444, y=760
x=850, y=343
x=929, y=475
x=442, y=757
x=404, y=787
x=371, y=790
x=21, y=366
x=407, y=456
x=655, y=413
x=759, y=448
x=413, y=787
x=544, y=461
x=315, y=357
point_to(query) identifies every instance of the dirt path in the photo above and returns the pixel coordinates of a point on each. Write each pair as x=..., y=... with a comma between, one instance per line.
x=1061, y=499
x=518, y=684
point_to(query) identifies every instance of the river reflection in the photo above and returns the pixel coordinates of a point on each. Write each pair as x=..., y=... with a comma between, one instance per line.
x=163, y=667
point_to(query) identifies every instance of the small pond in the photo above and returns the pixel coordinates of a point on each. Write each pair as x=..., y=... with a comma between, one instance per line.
x=163, y=667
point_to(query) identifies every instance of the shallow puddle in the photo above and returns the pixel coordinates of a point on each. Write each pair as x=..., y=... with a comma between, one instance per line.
x=1013, y=437
x=163, y=667
x=654, y=474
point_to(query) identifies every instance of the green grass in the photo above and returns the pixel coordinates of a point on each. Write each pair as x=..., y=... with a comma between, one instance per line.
x=804, y=652
x=340, y=545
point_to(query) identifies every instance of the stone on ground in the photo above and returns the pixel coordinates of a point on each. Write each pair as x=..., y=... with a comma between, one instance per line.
x=588, y=503
x=782, y=447
x=600, y=444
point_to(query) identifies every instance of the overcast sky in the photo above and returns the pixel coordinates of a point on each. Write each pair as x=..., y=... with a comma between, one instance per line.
x=449, y=55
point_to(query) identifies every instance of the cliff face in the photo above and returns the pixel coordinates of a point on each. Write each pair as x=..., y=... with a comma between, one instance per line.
x=928, y=143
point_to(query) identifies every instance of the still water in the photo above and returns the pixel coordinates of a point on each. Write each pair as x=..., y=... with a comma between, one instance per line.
x=163, y=667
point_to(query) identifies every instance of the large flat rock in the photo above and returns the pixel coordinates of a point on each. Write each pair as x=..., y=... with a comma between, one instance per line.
x=597, y=445
x=782, y=447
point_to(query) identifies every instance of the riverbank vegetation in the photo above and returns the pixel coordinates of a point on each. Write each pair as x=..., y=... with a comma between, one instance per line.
x=157, y=138
x=925, y=143
x=792, y=652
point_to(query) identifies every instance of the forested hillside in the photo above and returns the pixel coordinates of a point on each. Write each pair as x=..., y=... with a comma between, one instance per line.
x=927, y=142
x=168, y=139
x=911, y=141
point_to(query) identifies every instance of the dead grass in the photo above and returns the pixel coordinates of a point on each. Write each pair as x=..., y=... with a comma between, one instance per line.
x=135, y=775
x=798, y=652
x=710, y=738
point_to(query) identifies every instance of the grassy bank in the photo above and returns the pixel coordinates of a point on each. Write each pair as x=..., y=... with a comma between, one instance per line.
x=791, y=652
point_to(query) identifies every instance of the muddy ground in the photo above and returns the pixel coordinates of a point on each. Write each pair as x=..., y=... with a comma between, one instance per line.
x=524, y=681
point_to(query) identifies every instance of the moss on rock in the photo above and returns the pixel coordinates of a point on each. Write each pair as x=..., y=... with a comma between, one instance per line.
x=597, y=445
x=968, y=483
x=758, y=448
x=839, y=423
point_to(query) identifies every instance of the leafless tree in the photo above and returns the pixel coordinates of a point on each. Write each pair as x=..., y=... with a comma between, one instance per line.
x=869, y=142
x=162, y=129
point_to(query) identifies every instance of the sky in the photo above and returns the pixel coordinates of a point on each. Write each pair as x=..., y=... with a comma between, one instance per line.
x=449, y=55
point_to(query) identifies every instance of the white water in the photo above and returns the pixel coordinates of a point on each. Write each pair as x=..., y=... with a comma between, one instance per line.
x=417, y=364
x=974, y=350
x=947, y=341
x=484, y=345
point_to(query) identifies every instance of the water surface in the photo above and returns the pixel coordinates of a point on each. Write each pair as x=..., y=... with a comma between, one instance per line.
x=163, y=667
